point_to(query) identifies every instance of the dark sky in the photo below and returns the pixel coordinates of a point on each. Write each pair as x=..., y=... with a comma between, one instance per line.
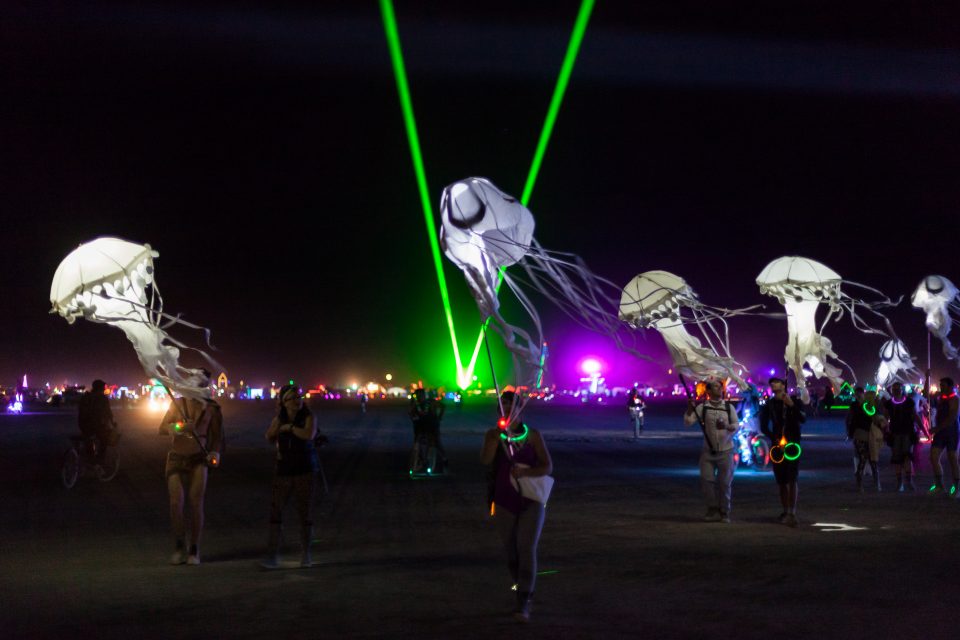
x=259, y=147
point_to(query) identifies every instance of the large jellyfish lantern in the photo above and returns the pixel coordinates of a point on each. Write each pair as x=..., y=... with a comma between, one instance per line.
x=801, y=285
x=483, y=231
x=937, y=297
x=111, y=281
x=658, y=299
x=896, y=365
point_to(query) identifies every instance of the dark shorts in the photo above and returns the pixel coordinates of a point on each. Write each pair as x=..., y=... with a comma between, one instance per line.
x=786, y=472
x=946, y=439
x=179, y=463
x=901, y=446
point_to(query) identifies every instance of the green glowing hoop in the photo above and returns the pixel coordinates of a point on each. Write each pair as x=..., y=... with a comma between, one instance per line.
x=791, y=456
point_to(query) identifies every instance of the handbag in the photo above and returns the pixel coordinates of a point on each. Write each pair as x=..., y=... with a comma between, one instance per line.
x=536, y=488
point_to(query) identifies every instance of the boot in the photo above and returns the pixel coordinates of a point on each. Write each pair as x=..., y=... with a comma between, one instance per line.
x=272, y=561
x=522, y=614
x=306, y=537
x=179, y=552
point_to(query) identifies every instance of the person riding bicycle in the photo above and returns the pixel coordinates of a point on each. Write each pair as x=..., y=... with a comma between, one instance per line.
x=96, y=419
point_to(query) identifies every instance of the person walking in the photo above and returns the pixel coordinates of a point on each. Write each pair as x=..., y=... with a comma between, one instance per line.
x=196, y=430
x=780, y=420
x=718, y=420
x=904, y=424
x=513, y=452
x=946, y=436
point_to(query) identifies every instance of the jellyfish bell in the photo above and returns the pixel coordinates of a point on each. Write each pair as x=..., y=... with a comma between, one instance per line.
x=656, y=299
x=896, y=365
x=483, y=228
x=800, y=285
x=937, y=297
x=111, y=281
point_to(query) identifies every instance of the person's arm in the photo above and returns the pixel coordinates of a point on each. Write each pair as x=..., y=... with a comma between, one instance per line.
x=765, y=420
x=171, y=416
x=690, y=416
x=273, y=430
x=490, y=444
x=307, y=431
x=545, y=466
x=733, y=420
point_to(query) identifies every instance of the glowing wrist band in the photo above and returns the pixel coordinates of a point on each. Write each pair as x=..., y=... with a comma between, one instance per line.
x=868, y=409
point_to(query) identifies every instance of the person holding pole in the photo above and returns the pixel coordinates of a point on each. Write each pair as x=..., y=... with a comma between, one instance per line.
x=718, y=421
x=514, y=450
x=196, y=430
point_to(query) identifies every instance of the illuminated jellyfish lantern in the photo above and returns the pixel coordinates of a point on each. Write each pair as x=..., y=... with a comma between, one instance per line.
x=937, y=297
x=896, y=365
x=800, y=285
x=111, y=281
x=484, y=230
x=658, y=299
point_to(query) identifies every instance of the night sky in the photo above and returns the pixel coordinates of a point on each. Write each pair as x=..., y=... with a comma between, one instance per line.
x=259, y=147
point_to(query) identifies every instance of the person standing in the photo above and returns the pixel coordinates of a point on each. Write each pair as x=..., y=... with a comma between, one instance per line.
x=780, y=420
x=514, y=452
x=718, y=420
x=196, y=428
x=946, y=434
x=860, y=418
x=904, y=425
x=292, y=431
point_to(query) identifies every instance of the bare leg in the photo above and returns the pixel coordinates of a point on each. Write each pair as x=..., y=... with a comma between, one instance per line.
x=175, y=489
x=935, y=454
x=954, y=466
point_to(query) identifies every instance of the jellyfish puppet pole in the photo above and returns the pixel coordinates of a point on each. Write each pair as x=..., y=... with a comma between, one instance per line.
x=493, y=372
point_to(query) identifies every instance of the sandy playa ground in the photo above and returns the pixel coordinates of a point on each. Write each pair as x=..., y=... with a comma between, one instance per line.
x=624, y=551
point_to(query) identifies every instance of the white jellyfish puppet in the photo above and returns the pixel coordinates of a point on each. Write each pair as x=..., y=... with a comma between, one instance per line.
x=111, y=281
x=937, y=297
x=801, y=285
x=658, y=299
x=896, y=365
x=484, y=231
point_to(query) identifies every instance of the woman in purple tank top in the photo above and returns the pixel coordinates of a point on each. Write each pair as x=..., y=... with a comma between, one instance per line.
x=515, y=452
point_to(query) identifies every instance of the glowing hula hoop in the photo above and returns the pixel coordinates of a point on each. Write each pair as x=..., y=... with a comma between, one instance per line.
x=773, y=452
x=792, y=456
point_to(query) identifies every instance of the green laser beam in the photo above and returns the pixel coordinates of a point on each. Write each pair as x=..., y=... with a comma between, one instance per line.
x=465, y=374
x=410, y=123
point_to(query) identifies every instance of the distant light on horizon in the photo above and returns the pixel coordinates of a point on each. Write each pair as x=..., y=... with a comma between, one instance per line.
x=590, y=366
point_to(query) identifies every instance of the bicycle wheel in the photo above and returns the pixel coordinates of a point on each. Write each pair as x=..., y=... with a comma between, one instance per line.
x=70, y=468
x=110, y=465
x=761, y=456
